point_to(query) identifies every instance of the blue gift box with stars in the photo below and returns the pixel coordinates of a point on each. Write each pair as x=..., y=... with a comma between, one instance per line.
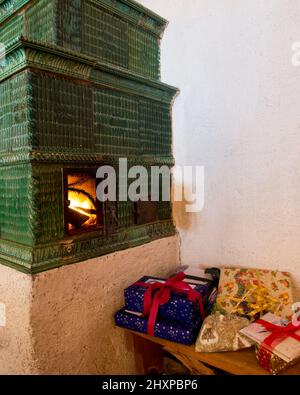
x=165, y=330
x=179, y=309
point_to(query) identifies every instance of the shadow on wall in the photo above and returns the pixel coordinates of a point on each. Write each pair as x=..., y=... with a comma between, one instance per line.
x=184, y=220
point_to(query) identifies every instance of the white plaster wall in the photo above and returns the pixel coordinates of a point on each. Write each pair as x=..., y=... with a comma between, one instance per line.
x=238, y=115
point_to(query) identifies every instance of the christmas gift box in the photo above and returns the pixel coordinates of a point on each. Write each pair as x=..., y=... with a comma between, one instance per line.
x=253, y=293
x=180, y=299
x=277, y=342
x=211, y=275
x=163, y=329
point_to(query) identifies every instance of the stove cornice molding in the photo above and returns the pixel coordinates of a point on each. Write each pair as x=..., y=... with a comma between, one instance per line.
x=39, y=156
x=24, y=54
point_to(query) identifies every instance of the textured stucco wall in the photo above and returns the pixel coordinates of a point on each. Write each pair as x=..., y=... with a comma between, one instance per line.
x=61, y=321
x=16, y=350
x=237, y=115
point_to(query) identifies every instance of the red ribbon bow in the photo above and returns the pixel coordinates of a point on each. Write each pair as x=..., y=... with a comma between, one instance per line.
x=163, y=294
x=278, y=333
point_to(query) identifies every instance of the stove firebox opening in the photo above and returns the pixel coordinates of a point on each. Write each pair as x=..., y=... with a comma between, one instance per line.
x=83, y=212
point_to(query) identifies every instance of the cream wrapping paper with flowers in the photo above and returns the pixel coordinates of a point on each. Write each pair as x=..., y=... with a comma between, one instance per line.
x=253, y=293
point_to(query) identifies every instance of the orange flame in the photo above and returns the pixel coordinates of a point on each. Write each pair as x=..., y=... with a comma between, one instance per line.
x=82, y=204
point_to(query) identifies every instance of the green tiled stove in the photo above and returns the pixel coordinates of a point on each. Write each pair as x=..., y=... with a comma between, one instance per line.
x=79, y=87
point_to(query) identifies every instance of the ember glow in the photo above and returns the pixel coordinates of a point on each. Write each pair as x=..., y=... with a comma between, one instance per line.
x=81, y=202
x=83, y=205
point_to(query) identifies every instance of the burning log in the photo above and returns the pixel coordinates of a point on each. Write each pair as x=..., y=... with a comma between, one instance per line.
x=88, y=211
x=76, y=218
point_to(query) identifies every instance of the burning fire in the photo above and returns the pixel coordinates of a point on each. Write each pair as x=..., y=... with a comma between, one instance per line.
x=84, y=206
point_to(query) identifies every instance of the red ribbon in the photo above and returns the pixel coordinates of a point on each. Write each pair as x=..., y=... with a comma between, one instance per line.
x=163, y=294
x=278, y=333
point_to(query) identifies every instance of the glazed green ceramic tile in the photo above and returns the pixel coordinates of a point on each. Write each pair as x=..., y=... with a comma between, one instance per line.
x=79, y=88
x=121, y=32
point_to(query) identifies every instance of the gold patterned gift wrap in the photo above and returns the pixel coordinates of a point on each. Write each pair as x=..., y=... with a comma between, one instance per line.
x=253, y=292
x=277, y=342
x=220, y=333
x=270, y=361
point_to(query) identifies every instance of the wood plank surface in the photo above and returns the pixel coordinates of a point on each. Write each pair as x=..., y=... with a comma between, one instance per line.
x=242, y=362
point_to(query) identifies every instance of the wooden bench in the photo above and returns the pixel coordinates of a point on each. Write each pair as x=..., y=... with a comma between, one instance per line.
x=149, y=353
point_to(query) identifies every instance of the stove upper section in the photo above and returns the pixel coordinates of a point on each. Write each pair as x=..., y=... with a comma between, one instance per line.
x=118, y=32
